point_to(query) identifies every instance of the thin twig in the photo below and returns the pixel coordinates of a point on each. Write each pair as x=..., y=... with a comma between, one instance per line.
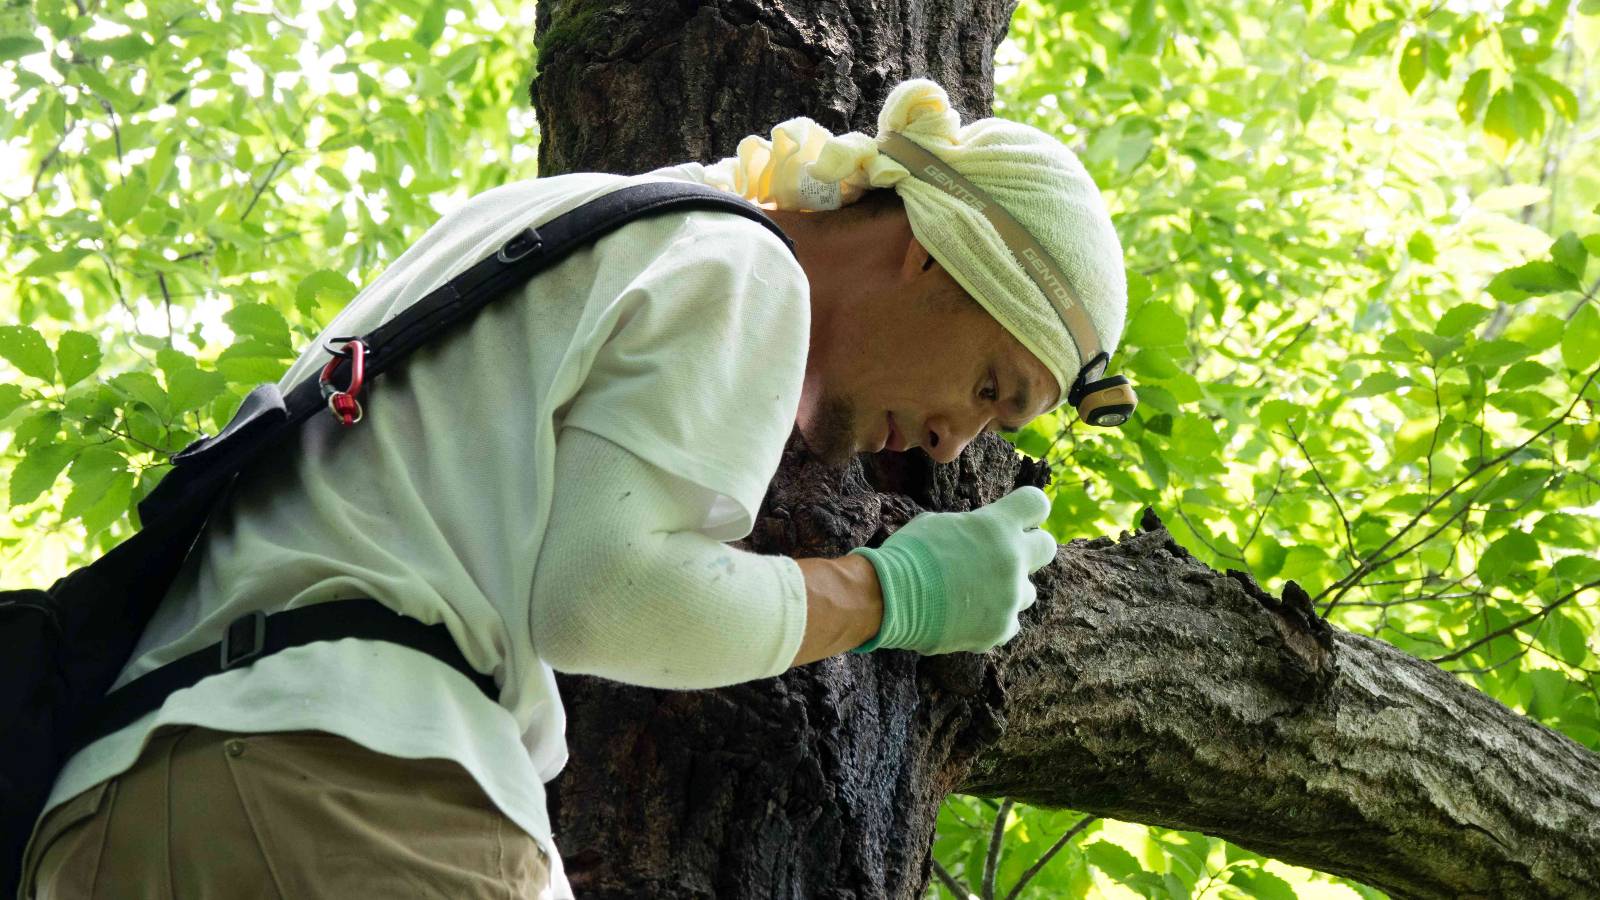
x=1500, y=632
x=1349, y=534
x=950, y=881
x=1197, y=533
x=995, y=839
x=166, y=301
x=1268, y=505
x=1033, y=870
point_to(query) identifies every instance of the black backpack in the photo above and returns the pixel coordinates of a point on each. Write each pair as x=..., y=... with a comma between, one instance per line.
x=62, y=649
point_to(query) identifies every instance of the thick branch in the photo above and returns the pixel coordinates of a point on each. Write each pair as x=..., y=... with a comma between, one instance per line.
x=1150, y=688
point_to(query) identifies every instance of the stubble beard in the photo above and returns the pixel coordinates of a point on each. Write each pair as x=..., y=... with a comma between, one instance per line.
x=832, y=436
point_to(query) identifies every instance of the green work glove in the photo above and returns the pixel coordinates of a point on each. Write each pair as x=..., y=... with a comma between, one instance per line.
x=956, y=581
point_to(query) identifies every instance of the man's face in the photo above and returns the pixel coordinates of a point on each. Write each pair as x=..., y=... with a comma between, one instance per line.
x=921, y=366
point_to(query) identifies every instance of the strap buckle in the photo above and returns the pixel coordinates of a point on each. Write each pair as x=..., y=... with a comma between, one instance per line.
x=521, y=244
x=343, y=403
x=244, y=639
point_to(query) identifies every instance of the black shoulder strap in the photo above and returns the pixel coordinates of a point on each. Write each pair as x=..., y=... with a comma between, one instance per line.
x=526, y=253
x=267, y=416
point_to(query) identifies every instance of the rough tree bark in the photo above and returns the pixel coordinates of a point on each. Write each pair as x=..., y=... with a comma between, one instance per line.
x=1143, y=685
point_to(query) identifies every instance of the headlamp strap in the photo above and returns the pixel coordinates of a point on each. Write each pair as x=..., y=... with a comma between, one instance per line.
x=1080, y=385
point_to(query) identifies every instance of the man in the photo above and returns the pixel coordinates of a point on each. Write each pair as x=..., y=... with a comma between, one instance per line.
x=554, y=483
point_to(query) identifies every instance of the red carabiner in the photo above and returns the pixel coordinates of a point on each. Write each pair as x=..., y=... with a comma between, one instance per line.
x=343, y=403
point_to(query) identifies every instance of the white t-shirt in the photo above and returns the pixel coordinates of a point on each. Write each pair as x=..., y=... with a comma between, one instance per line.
x=680, y=337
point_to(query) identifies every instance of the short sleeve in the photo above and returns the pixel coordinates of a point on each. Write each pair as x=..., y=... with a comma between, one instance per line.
x=701, y=373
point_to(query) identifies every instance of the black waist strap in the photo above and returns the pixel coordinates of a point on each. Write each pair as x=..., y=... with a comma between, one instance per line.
x=254, y=635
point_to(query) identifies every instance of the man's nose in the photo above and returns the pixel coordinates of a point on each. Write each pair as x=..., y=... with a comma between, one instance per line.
x=947, y=437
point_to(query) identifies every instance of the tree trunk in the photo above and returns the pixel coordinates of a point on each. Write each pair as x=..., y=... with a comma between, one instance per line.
x=1143, y=685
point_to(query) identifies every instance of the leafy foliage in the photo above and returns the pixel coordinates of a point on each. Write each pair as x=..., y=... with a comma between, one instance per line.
x=194, y=189
x=1361, y=317
x=1362, y=327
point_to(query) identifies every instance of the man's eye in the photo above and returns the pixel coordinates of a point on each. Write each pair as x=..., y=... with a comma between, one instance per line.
x=990, y=392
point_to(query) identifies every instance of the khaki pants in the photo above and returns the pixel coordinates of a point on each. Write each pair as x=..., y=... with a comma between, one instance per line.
x=289, y=815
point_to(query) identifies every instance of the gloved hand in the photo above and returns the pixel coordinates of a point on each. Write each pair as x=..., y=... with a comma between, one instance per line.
x=956, y=581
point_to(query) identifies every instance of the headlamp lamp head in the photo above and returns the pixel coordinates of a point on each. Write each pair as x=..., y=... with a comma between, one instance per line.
x=1108, y=401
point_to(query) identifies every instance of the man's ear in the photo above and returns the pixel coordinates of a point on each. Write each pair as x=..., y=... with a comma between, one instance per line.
x=917, y=259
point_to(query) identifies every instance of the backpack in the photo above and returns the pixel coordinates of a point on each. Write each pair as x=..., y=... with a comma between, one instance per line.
x=62, y=649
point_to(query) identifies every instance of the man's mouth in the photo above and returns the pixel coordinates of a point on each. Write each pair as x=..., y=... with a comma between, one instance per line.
x=895, y=441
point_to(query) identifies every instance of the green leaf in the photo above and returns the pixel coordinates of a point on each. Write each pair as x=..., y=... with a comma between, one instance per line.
x=38, y=470
x=160, y=164
x=42, y=425
x=1279, y=412
x=1472, y=96
x=1580, y=345
x=1257, y=882
x=78, y=355
x=194, y=388
x=461, y=61
x=1581, y=440
x=1561, y=97
x=1523, y=374
x=1413, y=63
x=92, y=474
x=1156, y=324
x=1575, y=569
x=25, y=348
x=1379, y=383
x=51, y=262
x=1373, y=39
x=1528, y=114
x=252, y=362
x=1265, y=557
x=112, y=504
x=1154, y=364
x=121, y=48
x=10, y=399
x=1531, y=279
x=431, y=25
x=1511, y=197
x=1501, y=118
x=1513, y=551
x=1461, y=317
x=1306, y=106
x=1111, y=859
x=1570, y=254
x=1550, y=689
x=1538, y=330
x=141, y=387
x=16, y=46
x=259, y=322
x=321, y=289
x=334, y=178
x=1496, y=353
x=1517, y=484
x=1436, y=346
x=1528, y=404
x=397, y=50
x=1421, y=246
x=124, y=201
x=1565, y=639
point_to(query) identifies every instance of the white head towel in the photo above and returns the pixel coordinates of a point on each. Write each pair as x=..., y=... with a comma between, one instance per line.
x=1032, y=175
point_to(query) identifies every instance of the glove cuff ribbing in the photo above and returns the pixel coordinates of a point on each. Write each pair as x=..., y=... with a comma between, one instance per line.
x=913, y=595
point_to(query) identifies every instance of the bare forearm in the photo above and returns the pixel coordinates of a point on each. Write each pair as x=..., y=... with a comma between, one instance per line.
x=844, y=606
